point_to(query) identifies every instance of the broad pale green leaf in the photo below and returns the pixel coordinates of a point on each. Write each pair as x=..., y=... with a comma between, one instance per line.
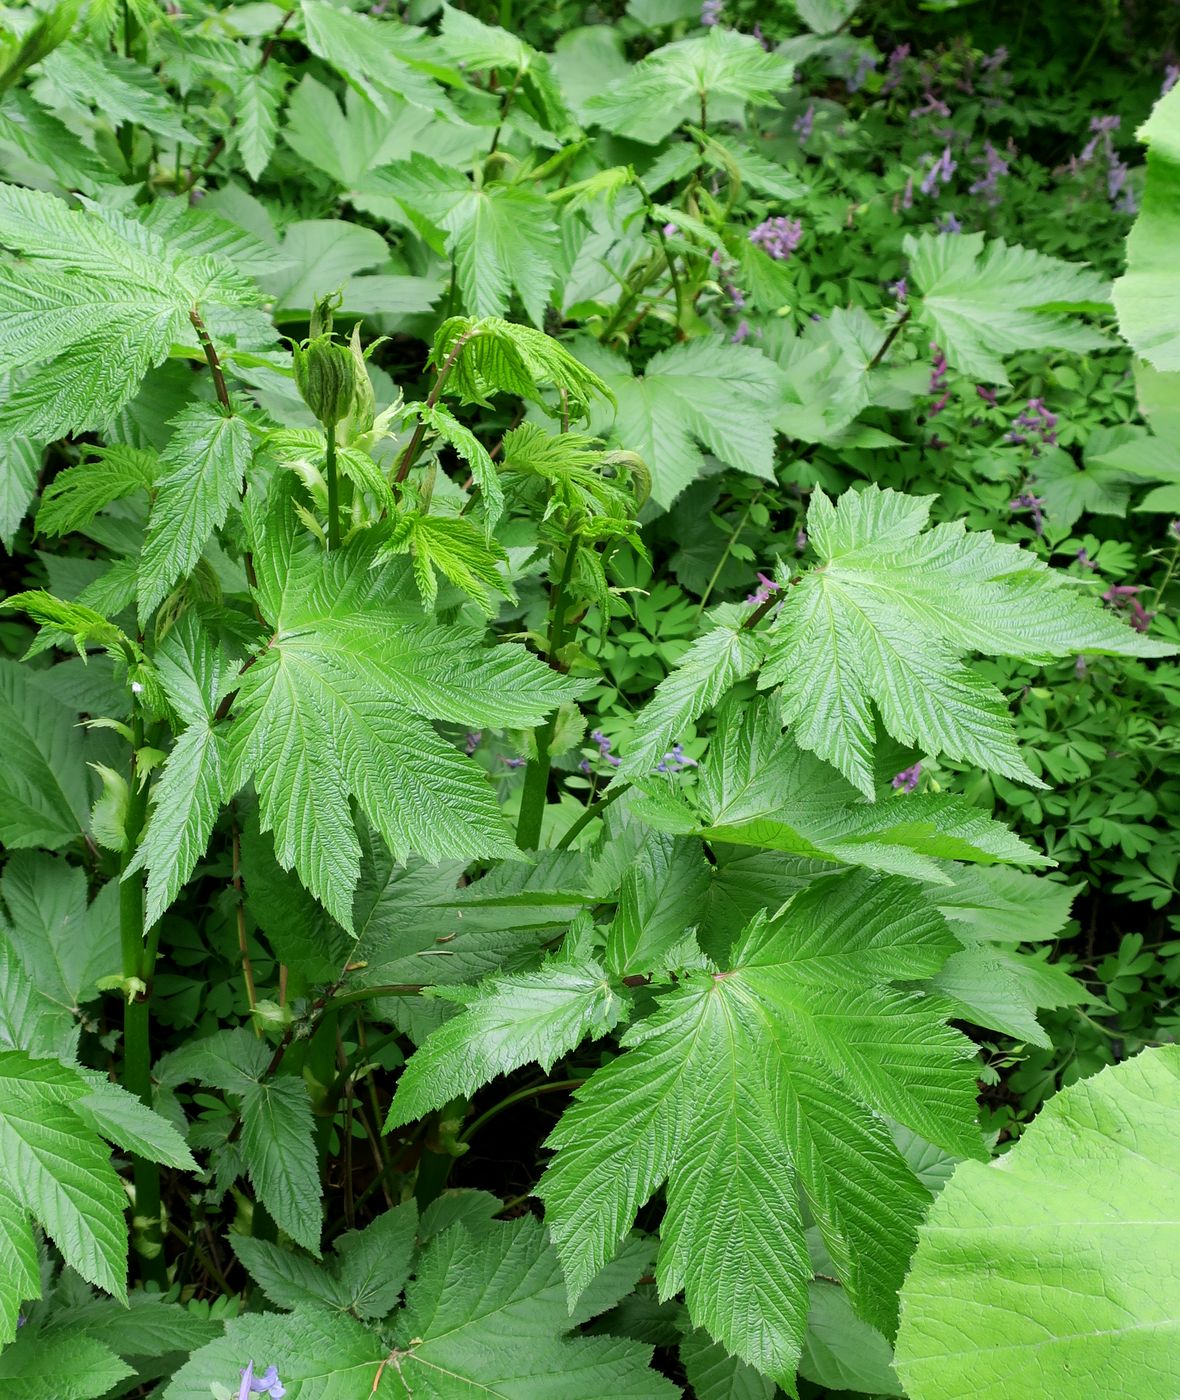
x=842, y=1352
x=704, y=391
x=380, y=58
x=1002, y=989
x=20, y=1271
x=201, y=472
x=743, y=1079
x=279, y=1149
x=1147, y=296
x=886, y=617
x=20, y=465
x=507, y=1022
x=43, y=793
x=289, y=1278
x=660, y=898
x=1053, y=1270
x=983, y=300
x=113, y=1113
x=1005, y=906
x=689, y=80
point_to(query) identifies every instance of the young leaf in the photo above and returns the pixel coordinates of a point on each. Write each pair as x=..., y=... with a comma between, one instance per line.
x=75, y=496
x=60, y=1365
x=887, y=616
x=201, y=473
x=982, y=302
x=279, y=1148
x=745, y=1077
x=20, y=465
x=454, y=547
x=507, y=1022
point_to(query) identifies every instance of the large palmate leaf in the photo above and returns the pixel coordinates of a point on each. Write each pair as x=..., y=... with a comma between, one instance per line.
x=982, y=301
x=43, y=794
x=758, y=788
x=385, y=61
x=686, y=80
x=502, y=237
x=745, y=1078
x=55, y=1169
x=886, y=617
x=102, y=298
x=702, y=391
x=333, y=705
x=486, y=1315
x=1147, y=296
x=1052, y=1272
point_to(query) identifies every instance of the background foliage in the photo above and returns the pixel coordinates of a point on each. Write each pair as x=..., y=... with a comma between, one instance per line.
x=588, y=675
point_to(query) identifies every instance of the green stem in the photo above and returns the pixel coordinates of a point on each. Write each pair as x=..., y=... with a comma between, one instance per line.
x=595, y=809
x=729, y=544
x=536, y=778
x=139, y=962
x=414, y=446
x=674, y=277
x=556, y=1087
x=333, y=501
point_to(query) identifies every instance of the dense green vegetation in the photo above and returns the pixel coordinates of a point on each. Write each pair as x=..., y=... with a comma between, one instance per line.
x=590, y=694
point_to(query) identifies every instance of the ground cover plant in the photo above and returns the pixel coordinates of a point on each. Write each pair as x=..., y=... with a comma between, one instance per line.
x=593, y=788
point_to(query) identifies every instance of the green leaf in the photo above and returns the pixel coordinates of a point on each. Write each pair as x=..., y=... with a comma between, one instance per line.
x=757, y=788
x=704, y=390
x=379, y=58
x=372, y=1264
x=660, y=897
x=100, y=296
x=507, y=1021
x=716, y=661
x=1003, y=989
x=75, y=496
x=257, y=125
x=1147, y=296
x=201, y=474
x=20, y=466
x=125, y=90
x=1052, y=1271
x=716, y=1375
x=43, y=792
x=279, y=1149
x=744, y=1078
x=59, y=1365
x=121, y=1118
x=841, y=1352
x=454, y=547
x=886, y=617
x=982, y=302
x=720, y=74
x=289, y=1279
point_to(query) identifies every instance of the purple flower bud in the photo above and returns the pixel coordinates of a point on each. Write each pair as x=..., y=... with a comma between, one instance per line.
x=1121, y=595
x=515, y=762
x=986, y=394
x=994, y=61
x=893, y=73
x=803, y=124
x=473, y=741
x=711, y=12
x=907, y=780
x=949, y=223
x=1175, y=528
x=669, y=230
x=800, y=540
x=931, y=107
x=907, y=198
x=742, y=333
x=940, y=172
x=900, y=289
x=1035, y=505
x=1171, y=78
x=864, y=66
x=993, y=167
x=1084, y=560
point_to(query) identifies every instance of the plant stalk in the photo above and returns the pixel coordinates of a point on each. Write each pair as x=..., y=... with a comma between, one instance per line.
x=333, y=488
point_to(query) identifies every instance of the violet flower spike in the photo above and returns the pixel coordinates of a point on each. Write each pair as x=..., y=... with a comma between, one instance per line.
x=1035, y=505
x=940, y=172
x=949, y=223
x=778, y=237
x=741, y=334
x=907, y=780
x=804, y=124
x=711, y=12
x=907, y=198
x=900, y=289
x=986, y=394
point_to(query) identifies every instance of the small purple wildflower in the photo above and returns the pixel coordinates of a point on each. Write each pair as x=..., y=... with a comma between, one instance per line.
x=756, y=33
x=711, y=12
x=1035, y=419
x=938, y=405
x=804, y=124
x=762, y=594
x=907, y=198
x=778, y=237
x=986, y=394
x=1175, y=528
x=894, y=67
x=1125, y=595
x=266, y=1384
x=604, y=747
x=994, y=165
x=938, y=369
x=515, y=762
x=907, y=780
x=1034, y=504
x=674, y=760
x=800, y=540
x=737, y=298
x=1171, y=78
x=900, y=289
x=992, y=61
x=931, y=107
x=1084, y=560
x=937, y=443
x=741, y=334
x=670, y=230
x=949, y=223
x=865, y=64
x=940, y=172
x=1079, y=667
x=473, y=741
x=584, y=766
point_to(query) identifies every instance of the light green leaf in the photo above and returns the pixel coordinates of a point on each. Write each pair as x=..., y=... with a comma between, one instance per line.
x=121, y=1118
x=982, y=301
x=380, y=58
x=75, y=496
x=716, y=1375
x=507, y=1021
x=279, y=1148
x=59, y=1365
x=20, y=466
x=201, y=474
x=886, y=617
x=1053, y=1271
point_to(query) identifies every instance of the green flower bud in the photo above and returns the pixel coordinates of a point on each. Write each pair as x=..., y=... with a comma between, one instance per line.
x=326, y=376
x=320, y=322
x=364, y=402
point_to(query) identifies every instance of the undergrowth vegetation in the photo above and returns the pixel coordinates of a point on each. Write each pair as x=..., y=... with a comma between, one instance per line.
x=589, y=689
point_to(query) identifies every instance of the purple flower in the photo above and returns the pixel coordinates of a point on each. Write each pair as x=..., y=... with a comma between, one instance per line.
x=473, y=741
x=778, y=237
x=670, y=230
x=940, y=172
x=515, y=762
x=711, y=12
x=604, y=747
x=938, y=405
x=1084, y=560
x=742, y=333
x=756, y=33
x=907, y=198
x=996, y=60
x=1035, y=418
x=993, y=167
x=1125, y=595
x=1171, y=78
x=893, y=71
x=864, y=66
x=1175, y=528
x=266, y=1384
x=1034, y=504
x=674, y=760
x=900, y=289
x=803, y=124
x=931, y=107
x=986, y=394
x=762, y=594
x=949, y=223
x=938, y=369
x=907, y=779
